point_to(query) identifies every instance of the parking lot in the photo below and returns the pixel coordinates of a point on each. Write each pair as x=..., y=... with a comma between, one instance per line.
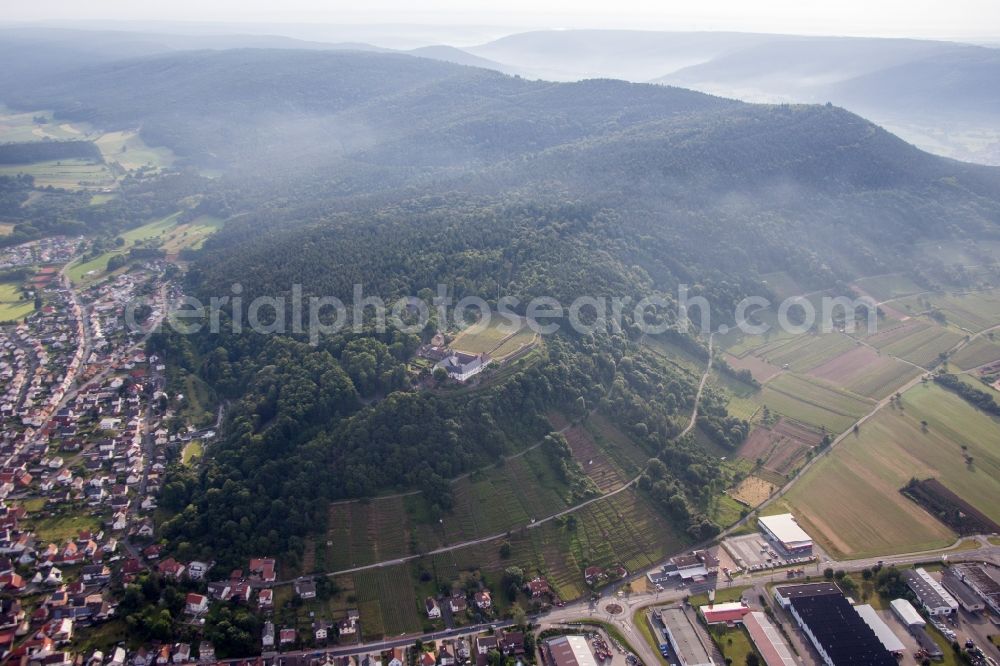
x=753, y=552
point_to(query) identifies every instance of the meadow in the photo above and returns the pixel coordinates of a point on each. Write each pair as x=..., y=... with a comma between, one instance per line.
x=17, y=127
x=813, y=403
x=12, y=305
x=886, y=287
x=499, y=338
x=850, y=499
x=68, y=174
x=167, y=234
x=979, y=352
x=864, y=371
x=128, y=150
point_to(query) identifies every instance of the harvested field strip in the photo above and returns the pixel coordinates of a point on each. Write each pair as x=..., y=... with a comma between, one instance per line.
x=761, y=370
x=810, y=351
x=812, y=403
x=886, y=336
x=979, y=352
x=949, y=508
x=923, y=347
x=752, y=491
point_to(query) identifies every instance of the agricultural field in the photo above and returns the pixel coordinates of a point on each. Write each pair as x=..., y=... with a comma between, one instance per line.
x=167, y=234
x=387, y=602
x=782, y=284
x=496, y=338
x=761, y=370
x=924, y=346
x=488, y=502
x=781, y=448
x=964, y=252
x=598, y=466
x=752, y=491
x=813, y=403
x=361, y=533
x=850, y=500
x=677, y=355
x=742, y=398
x=129, y=151
x=971, y=311
x=804, y=352
x=864, y=371
x=887, y=287
x=628, y=455
x=979, y=352
x=6, y=229
x=12, y=304
x=68, y=174
x=16, y=127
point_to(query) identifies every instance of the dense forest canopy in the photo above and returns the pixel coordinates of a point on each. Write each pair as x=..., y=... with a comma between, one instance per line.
x=400, y=174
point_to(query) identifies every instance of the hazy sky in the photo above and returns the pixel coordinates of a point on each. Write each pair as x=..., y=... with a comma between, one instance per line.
x=964, y=19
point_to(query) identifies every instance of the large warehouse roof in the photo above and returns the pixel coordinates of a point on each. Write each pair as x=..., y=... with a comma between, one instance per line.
x=768, y=640
x=784, y=528
x=570, y=651
x=886, y=635
x=907, y=613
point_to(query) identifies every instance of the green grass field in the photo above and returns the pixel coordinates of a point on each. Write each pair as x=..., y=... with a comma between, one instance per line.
x=192, y=452
x=131, y=152
x=68, y=174
x=387, y=602
x=804, y=352
x=782, y=284
x=885, y=287
x=12, y=306
x=166, y=234
x=850, y=499
x=813, y=403
x=58, y=529
x=923, y=347
x=979, y=352
x=498, y=339
x=201, y=402
x=16, y=127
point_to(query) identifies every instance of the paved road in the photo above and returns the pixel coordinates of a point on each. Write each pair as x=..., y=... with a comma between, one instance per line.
x=632, y=603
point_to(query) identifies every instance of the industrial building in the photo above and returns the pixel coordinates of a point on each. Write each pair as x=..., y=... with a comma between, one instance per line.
x=768, y=640
x=915, y=623
x=729, y=613
x=696, y=567
x=569, y=651
x=890, y=641
x=684, y=639
x=836, y=630
x=786, y=532
x=932, y=596
x=982, y=583
x=907, y=614
x=964, y=595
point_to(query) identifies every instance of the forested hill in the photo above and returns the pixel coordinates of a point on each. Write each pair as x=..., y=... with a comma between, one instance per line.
x=400, y=173
x=294, y=105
